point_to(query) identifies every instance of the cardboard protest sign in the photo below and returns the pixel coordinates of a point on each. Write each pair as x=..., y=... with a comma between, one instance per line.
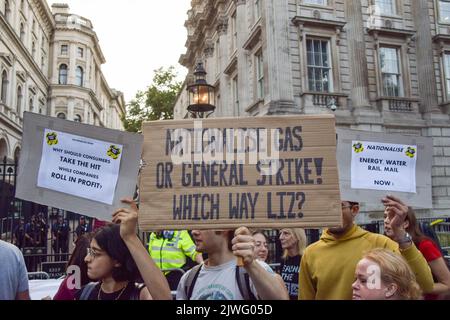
x=268, y=172
x=372, y=165
x=77, y=167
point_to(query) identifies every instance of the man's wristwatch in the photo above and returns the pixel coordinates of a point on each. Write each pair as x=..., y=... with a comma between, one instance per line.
x=406, y=239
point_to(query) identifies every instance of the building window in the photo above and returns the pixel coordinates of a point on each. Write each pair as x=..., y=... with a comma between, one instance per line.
x=233, y=32
x=390, y=72
x=42, y=62
x=64, y=49
x=444, y=11
x=319, y=65
x=22, y=32
x=33, y=26
x=319, y=2
x=4, y=86
x=260, y=75
x=258, y=10
x=31, y=105
x=61, y=115
x=447, y=73
x=22, y=5
x=385, y=7
x=33, y=50
x=79, y=76
x=235, y=86
x=7, y=10
x=80, y=52
x=77, y=118
x=62, y=74
x=218, y=57
x=19, y=98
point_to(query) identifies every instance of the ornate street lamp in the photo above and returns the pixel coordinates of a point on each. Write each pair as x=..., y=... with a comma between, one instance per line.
x=201, y=95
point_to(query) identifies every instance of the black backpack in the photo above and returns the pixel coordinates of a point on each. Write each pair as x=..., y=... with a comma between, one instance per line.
x=242, y=279
x=87, y=290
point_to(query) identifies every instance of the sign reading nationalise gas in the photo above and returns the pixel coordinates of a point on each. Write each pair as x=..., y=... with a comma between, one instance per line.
x=265, y=172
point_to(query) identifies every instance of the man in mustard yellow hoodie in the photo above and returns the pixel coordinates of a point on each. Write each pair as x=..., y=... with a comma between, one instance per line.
x=327, y=268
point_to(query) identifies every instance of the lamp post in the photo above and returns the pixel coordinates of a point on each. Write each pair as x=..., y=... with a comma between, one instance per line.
x=201, y=95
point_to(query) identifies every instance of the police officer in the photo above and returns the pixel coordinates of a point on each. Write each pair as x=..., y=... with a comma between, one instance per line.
x=60, y=236
x=82, y=228
x=169, y=250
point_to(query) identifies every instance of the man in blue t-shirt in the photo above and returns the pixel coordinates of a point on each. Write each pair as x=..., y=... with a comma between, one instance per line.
x=13, y=278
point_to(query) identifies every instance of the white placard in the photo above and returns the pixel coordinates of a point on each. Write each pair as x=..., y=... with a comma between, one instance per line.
x=79, y=166
x=383, y=166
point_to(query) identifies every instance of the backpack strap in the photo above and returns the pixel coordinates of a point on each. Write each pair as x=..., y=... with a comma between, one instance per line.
x=243, y=282
x=87, y=290
x=190, y=281
x=136, y=293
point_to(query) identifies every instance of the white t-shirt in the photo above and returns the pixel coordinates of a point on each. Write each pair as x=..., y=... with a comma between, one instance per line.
x=217, y=283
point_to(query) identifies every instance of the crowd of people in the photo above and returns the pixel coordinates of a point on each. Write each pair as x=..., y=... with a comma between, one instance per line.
x=347, y=262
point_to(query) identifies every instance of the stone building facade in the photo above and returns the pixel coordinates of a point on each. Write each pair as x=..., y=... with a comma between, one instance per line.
x=50, y=63
x=383, y=65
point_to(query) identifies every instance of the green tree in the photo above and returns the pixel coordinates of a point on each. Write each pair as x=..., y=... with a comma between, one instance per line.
x=156, y=103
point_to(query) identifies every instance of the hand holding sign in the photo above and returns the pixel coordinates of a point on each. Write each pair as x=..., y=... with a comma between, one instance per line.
x=396, y=214
x=243, y=246
x=127, y=217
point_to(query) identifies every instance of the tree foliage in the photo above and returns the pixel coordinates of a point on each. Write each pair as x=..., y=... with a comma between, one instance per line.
x=156, y=103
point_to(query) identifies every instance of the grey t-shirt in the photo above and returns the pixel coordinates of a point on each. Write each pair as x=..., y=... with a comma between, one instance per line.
x=217, y=283
x=13, y=272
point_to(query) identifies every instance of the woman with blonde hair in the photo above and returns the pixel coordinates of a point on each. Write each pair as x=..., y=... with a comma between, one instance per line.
x=383, y=275
x=293, y=243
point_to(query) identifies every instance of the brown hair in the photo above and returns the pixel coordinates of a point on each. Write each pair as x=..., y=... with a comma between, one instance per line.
x=394, y=269
x=79, y=253
x=414, y=229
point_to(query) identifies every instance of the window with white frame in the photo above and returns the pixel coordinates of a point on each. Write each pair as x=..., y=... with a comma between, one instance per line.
x=390, y=67
x=235, y=87
x=80, y=52
x=320, y=77
x=319, y=2
x=444, y=11
x=385, y=7
x=260, y=75
x=62, y=79
x=79, y=74
x=447, y=74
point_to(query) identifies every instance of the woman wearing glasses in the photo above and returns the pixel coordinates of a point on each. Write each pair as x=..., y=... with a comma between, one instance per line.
x=116, y=259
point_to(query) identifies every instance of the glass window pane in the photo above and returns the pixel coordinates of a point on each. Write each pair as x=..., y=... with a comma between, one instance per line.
x=444, y=11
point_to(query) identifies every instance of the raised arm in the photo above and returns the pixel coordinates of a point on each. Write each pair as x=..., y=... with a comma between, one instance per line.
x=154, y=279
x=267, y=284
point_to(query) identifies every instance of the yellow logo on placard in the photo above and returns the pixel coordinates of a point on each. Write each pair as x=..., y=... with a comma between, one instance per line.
x=52, y=138
x=358, y=147
x=113, y=152
x=410, y=152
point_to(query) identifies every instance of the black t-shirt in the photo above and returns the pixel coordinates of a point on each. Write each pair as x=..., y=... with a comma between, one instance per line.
x=131, y=292
x=289, y=271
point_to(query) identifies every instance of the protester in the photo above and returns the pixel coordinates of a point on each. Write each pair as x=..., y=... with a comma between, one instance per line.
x=73, y=282
x=327, y=266
x=219, y=277
x=169, y=249
x=261, y=249
x=429, y=249
x=116, y=259
x=293, y=242
x=13, y=275
x=384, y=275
